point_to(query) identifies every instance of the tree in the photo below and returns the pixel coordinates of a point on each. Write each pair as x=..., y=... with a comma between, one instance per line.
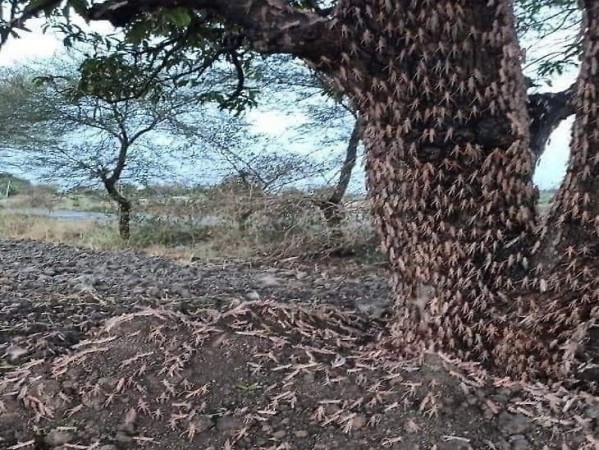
x=440, y=88
x=88, y=138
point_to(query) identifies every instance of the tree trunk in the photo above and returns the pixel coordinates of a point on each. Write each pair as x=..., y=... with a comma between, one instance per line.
x=124, y=219
x=331, y=207
x=124, y=208
x=449, y=166
x=569, y=310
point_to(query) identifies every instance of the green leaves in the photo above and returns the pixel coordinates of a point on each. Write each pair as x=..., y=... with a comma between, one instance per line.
x=47, y=6
x=181, y=17
x=549, y=31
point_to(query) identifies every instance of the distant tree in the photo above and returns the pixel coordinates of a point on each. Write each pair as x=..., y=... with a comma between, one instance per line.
x=78, y=138
x=82, y=124
x=12, y=185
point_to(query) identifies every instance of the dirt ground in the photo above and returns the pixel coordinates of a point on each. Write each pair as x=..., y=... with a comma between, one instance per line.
x=121, y=350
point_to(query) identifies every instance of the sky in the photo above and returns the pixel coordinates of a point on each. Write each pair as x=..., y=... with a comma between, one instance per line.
x=268, y=120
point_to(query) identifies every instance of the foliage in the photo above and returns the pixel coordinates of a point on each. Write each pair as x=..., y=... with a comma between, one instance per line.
x=76, y=139
x=169, y=48
x=553, y=25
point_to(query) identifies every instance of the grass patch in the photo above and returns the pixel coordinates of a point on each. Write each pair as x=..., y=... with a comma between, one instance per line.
x=79, y=233
x=214, y=225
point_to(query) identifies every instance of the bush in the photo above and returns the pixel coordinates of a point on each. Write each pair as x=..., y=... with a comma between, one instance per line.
x=166, y=232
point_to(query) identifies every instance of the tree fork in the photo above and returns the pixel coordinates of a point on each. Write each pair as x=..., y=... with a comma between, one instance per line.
x=567, y=313
x=546, y=112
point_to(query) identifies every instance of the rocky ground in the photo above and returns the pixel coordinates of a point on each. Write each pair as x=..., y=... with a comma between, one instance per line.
x=50, y=295
x=122, y=350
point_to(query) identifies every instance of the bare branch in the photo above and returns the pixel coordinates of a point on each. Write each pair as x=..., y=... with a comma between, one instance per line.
x=546, y=112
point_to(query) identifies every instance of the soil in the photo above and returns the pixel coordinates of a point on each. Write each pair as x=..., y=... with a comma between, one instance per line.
x=122, y=350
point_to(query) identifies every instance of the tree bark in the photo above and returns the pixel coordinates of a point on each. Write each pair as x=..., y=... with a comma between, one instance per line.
x=124, y=207
x=569, y=310
x=125, y=219
x=448, y=163
x=272, y=26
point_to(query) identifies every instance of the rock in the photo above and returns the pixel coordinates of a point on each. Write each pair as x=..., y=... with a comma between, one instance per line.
x=128, y=428
x=510, y=424
x=252, y=295
x=454, y=444
x=359, y=422
x=202, y=423
x=268, y=280
x=519, y=442
x=122, y=437
x=84, y=281
x=301, y=434
x=228, y=423
x=279, y=434
x=14, y=352
x=108, y=447
x=10, y=419
x=57, y=437
x=372, y=309
x=592, y=412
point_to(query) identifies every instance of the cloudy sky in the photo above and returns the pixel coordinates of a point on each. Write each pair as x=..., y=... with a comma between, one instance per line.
x=266, y=119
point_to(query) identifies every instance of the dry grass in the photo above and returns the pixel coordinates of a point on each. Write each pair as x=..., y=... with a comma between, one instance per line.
x=79, y=233
x=276, y=228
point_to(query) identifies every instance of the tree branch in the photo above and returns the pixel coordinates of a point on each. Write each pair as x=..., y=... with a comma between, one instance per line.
x=271, y=26
x=546, y=112
x=351, y=155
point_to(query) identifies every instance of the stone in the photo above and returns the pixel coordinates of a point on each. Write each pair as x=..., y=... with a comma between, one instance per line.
x=14, y=352
x=592, y=412
x=359, y=422
x=301, y=434
x=268, y=280
x=56, y=438
x=228, y=423
x=376, y=309
x=510, y=424
x=454, y=444
x=108, y=447
x=519, y=442
x=202, y=423
x=122, y=437
x=252, y=295
x=279, y=434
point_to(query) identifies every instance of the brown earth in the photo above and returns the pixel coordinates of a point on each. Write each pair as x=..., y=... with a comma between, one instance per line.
x=118, y=351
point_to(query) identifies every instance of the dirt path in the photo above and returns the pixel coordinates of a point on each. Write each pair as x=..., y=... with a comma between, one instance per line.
x=118, y=351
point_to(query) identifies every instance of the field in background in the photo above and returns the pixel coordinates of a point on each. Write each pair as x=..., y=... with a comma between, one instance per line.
x=213, y=224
